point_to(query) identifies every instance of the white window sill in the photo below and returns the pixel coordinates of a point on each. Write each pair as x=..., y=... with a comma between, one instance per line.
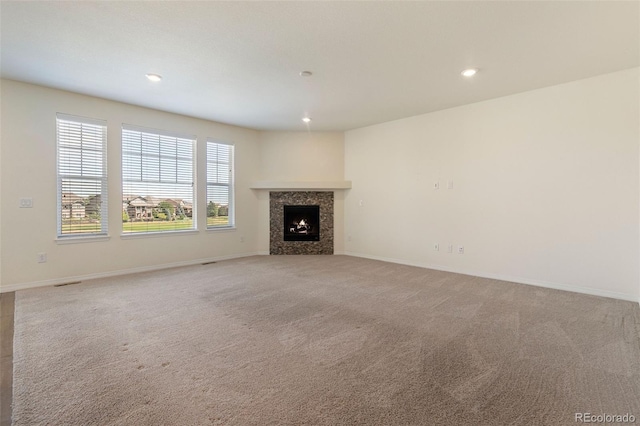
x=83, y=239
x=155, y=234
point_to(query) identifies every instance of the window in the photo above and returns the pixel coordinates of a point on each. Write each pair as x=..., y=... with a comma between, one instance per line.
x=82, y=176
x=219, y=185
x=157, y=181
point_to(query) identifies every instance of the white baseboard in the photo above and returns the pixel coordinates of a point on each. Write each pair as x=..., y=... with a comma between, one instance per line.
x=538, y=283
x=519, y=280
x=55, y=281
x=266, y=253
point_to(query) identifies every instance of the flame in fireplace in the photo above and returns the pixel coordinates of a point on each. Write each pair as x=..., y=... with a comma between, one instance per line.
x=302, y=227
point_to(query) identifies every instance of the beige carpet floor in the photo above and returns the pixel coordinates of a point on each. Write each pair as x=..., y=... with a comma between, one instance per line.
x=328, y=340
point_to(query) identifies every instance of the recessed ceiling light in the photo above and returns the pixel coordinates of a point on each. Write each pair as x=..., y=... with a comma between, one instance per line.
x=306, y=73
x=306, y=120
x=469, y=72
x=154, y=77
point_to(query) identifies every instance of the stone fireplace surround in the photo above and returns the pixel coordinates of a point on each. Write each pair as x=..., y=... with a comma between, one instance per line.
x=277, y=201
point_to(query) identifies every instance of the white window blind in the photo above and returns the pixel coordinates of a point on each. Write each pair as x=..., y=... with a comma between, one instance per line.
x=220, y=208
x=82, y=176
x=157, y=181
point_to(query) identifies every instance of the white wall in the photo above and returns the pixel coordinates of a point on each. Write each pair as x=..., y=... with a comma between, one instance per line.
x=28, y=169
x=301, y=157
x=545, y=187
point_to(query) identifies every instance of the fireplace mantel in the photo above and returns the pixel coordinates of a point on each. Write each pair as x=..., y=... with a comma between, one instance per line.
x=301, y=186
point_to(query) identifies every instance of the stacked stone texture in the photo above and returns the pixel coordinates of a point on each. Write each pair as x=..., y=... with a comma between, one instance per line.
x=277, y=201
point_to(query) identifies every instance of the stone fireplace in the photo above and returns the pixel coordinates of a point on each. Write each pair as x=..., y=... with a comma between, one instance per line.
x=301, y=222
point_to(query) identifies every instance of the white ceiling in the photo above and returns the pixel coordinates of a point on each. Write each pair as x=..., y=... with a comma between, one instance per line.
x=238, y=62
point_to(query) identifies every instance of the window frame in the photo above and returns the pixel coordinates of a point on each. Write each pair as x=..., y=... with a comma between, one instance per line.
x=160, y=134
x=100, y=126
x=231, y=185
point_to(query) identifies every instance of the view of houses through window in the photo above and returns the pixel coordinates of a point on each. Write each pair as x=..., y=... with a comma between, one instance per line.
x=157, y=181
x=82, y=176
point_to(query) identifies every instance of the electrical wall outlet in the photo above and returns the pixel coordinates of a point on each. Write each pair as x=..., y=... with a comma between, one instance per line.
x=461, y=250
x=42, y=257
x=26, y=203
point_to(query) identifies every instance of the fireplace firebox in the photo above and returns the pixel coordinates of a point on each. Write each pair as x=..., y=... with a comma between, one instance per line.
x=301, y=223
